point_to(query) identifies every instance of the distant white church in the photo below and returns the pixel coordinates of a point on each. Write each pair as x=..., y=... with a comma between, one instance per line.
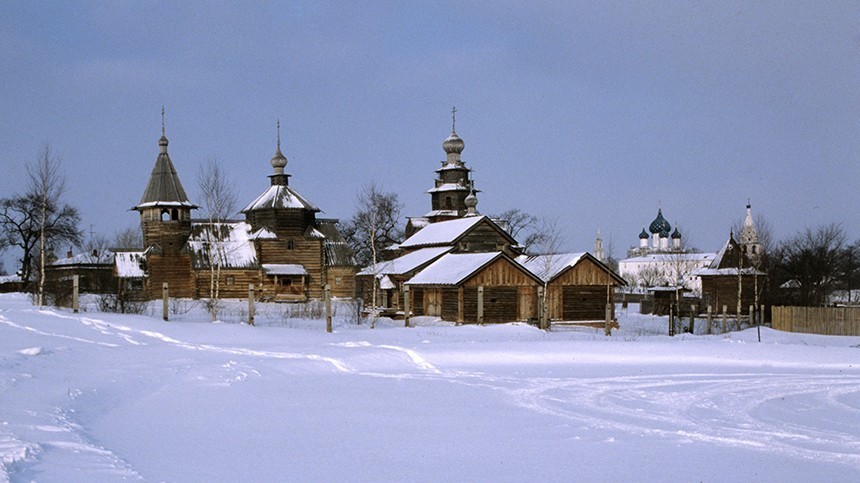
x=661, y=259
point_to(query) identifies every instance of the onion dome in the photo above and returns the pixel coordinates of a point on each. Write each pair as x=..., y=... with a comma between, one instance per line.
x=471, y=201
x=162, y=143
x=676, y=235
x=660, y=225
x=644, y=235
x=279, y=161
x=453, y=144
x=664, y=234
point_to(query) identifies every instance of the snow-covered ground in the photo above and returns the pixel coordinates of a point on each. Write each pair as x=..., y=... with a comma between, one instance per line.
x=106, y=397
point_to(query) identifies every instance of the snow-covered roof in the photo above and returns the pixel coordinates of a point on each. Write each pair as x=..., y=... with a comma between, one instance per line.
x=433, y=213
x=284, y=269
x=10, y=279
x=448, y=187
x=233, y=242
x=103, y=258
x=129, y=264
x=408, y=262
x=164, y=187
x=314, y=234
x=419, y=221
x=262, y=234
x=281, y=197
x=385, y=283
x=442, y=233
x=547, y=267
x=453, y=268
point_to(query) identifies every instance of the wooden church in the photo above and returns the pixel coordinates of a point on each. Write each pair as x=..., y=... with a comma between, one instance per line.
x=281, y=247
x=453, y=253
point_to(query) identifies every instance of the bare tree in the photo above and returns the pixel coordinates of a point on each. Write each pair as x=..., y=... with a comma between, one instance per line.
x=219, y=201
x=128, y=238
x=522, y=223
x=37, y=219
x=650, y=276
x=375, y=225
x=549, y=244
x=809, y=262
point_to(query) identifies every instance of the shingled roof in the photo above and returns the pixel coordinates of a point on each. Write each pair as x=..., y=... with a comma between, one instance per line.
x=164, y=188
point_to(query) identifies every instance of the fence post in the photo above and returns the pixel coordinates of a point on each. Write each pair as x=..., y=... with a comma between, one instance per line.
x=541, y=312
x=251, y=304
x=693, y=319
x=709, y=320
x=671, y=322
x=328, y=308
x=406, y=305
x=75, y=289
x=480, y=304
x=607, y=327
x=164, y=296
x=725, y=315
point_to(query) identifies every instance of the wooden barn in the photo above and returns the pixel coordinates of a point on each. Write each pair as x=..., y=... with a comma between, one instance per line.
x=730, y=271
x=578, y=285
x=281, y=247
x=487, y=287
x=391, y=274
x=94, y=270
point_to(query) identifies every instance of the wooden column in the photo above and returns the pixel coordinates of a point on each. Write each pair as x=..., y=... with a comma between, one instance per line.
x=328, y=308
x=480, y=304
x=164, y=296
x=461, y=314
x=407, y=305
x=607, y=327
x=725, y=315
x=250, y=304
x=671, y=322
x=692, y=319
x=541, y=300
x=75, y=291
x=709, y=320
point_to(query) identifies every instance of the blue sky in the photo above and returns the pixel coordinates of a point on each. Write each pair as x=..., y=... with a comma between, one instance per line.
x=594, y=113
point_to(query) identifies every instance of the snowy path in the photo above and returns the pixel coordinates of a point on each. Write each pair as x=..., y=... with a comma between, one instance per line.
x=108, y=398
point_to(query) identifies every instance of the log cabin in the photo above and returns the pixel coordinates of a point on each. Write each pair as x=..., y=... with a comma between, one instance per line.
x=578, y=285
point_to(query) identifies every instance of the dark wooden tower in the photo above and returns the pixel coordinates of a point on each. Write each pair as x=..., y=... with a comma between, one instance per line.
x=165, y=218
x=453, y=184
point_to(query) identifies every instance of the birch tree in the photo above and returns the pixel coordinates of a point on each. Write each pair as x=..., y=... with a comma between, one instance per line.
x=373, y=227
x=38, y=219
x=219, y=201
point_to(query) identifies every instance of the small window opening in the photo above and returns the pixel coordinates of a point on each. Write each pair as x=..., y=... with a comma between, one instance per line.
x=290, y=245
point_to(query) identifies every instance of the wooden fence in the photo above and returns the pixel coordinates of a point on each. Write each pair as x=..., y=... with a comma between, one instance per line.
x=818, y=320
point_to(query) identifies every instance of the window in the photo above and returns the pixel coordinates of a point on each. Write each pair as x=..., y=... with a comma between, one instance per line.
x=285, y=282
x=165, y=215
x=290, y=245
x=174, y=215
x=337, y=281
x=230, y=280
x=448, y=203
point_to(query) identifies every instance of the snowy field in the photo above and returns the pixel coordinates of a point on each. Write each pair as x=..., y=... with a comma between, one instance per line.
x=106, y=397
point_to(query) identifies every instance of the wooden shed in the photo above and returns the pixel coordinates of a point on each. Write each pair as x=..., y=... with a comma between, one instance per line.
x=475, y=288
x=391, y=274
x=730, y=272
x=578, y=285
